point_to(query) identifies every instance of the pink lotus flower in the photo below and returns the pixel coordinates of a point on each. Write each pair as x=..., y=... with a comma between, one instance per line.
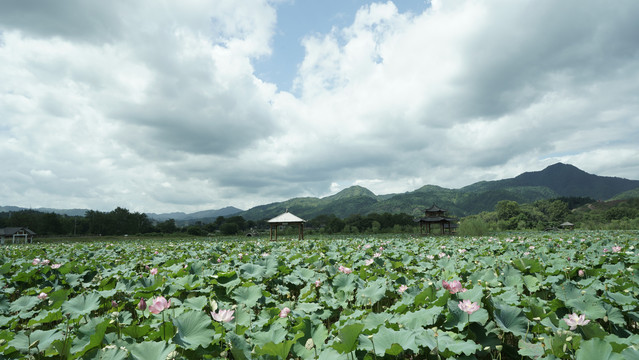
x=430, y=257
x=453, y=287
x=219, y=260
x=154, y=271
x=159, y=304
x=368, y=262
x=402, y=288
x=114, y=303
x=43, y=296
x=142, y=304
x=344, y=269
x=56, y=266
x=46, y=262
x=574, y=320
x=468, y=307
x=616, y=249
x=581, y=273
x=284, y=312
x=376, y=255
x=318, y=282
x=223, y=315
x=35, y=261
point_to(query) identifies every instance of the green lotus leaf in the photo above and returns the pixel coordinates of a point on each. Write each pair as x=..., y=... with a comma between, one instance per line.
x=374, y=292
x=252, y=271
x=596, y=349
x=240, y=349
x=36, y=341
x=275, y=334
x=196, y=303
x=419, y=318
x=588, y=305
x=248, y=296
x=24, y=303
x=194, y=329
x=45, y=317
x=344, y=282
x=510, y=319
x=530, y=349
x=391, y=342
x=136, y=331
x=109, y=354
x=348, y=336
x=90, y=336
x=449, y=344
x=532, y=283
x=310, y=331
x=151, y=350
x=82, y=305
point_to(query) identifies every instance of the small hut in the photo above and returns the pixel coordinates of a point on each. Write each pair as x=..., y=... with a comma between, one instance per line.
x=285, y=219
x=437, y=215
x=567, y=226
x=19, y=234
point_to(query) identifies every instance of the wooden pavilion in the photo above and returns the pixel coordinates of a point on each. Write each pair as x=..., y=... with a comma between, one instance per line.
x=437, y=215
x=567, y=225
x=16, y=234
x=285, y=219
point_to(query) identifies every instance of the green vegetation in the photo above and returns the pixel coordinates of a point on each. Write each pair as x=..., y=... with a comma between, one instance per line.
x=529, y=296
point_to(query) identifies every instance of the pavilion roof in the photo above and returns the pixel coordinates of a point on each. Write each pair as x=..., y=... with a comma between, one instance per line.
x=435, y=208
x=286, y=217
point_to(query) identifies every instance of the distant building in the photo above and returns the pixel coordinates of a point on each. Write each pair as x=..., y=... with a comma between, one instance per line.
x=16, y=234
x=435, y=215
x=286, y=219
x=567, y=225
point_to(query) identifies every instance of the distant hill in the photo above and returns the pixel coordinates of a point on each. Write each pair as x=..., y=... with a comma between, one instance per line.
x=565, y=180
x=206, y=214
x=558, y=180
x=69, y=212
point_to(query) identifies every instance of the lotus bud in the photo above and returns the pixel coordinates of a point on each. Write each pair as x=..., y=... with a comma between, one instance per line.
x=142, y=304
x=309, y=344
x=569, y=338
x=499, y=347
x=213, y=305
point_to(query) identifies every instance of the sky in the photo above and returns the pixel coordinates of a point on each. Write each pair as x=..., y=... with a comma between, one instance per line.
x=162, y=106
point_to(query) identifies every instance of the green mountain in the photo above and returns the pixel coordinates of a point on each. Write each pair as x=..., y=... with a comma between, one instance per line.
x=554, y=181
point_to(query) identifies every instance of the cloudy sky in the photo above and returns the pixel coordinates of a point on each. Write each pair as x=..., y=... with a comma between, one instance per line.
x=160, y=106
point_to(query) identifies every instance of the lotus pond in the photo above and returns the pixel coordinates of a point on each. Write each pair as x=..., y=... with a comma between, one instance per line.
x=570, y=295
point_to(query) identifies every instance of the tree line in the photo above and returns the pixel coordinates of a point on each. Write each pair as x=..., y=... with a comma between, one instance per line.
x=508, y=215
x=550, y=214
x=121, y=221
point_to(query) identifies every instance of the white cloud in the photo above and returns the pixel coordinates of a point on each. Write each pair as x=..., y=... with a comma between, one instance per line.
x=156, y=107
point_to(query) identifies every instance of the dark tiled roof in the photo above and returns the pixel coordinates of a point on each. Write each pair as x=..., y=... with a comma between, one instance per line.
x=13, y=230
x=435, y=208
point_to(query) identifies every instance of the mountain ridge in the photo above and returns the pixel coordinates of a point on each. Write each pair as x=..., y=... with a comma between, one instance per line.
x=557, y=180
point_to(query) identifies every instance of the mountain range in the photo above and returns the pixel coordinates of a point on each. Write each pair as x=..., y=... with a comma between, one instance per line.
x=558, y=180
